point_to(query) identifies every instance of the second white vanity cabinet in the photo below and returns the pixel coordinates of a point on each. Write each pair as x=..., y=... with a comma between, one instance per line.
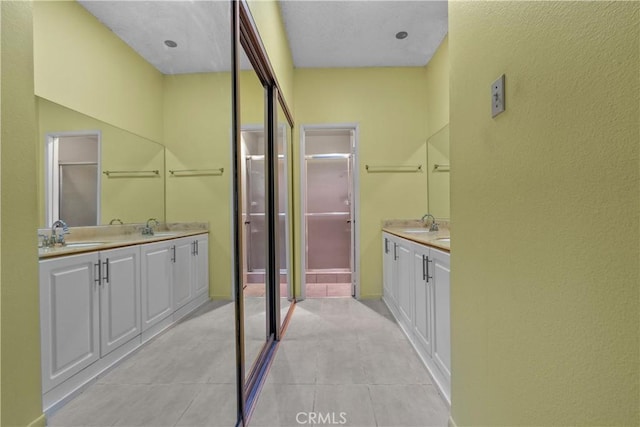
x=416, y=288
x=98, y=307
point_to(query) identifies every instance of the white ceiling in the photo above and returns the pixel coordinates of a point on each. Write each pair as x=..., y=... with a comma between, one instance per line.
x=362, y=33
x=329, y=33
x=201, y=29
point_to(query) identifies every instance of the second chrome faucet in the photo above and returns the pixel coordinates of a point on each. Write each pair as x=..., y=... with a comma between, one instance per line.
x=147, y=230
x=434, y=224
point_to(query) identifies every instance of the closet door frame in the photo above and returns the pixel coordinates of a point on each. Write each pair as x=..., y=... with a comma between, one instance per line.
x=244, y=35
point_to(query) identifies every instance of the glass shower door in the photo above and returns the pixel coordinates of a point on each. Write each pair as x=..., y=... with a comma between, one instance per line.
x=255, y=218
x=328, y=213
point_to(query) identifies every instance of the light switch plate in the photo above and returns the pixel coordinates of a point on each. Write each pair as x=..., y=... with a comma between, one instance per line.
x=497, y=96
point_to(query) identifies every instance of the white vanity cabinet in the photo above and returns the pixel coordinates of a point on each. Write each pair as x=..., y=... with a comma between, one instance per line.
x=98, y=307
x=119, y=297
x=69, y=316
x=157, y=282
x=417, y=291
x=423, y=301
x=190, y=269
x=397, y=267
x=183, y=288
x=404, y=259
x=388, y=267
x=441, y=312
x=201, y=266
x=89, y=306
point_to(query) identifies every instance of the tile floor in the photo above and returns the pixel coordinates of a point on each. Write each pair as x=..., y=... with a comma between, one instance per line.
x=338, y=356
x=171, y=381
x=345, y=356
x=323, y=290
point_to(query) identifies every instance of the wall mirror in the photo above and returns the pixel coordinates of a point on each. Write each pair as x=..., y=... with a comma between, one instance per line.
x=95, y=173
x=254, y=214
x=156, y=85
x=91, y=68
x=439, y=167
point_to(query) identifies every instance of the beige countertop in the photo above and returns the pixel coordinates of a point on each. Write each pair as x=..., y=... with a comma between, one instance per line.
x=418, y=233
x=91, y=239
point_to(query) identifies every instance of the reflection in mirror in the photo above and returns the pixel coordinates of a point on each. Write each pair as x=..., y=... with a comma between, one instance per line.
x=438, y=167
x=124, y=73
x=253, y=173
x=72, y=170
x=78, y=150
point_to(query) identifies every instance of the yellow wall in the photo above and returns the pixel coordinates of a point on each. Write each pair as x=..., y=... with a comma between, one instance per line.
x=131, y=199
x=437, y=83
x=545, y=211
x=268, y=19
x=389, y=105
x=198, y=137
x=80, y=64
x=20, y=400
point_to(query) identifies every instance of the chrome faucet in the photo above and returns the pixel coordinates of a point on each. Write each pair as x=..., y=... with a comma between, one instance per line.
x=147, y=230
x=58, y=239
x=434, y=224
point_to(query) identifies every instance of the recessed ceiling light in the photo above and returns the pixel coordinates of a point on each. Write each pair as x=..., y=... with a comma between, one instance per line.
x=402, y=35
x=171, y=43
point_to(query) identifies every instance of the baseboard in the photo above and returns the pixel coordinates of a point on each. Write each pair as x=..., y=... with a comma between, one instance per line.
x=41, y=421
x=370, y=296
x=451, y=422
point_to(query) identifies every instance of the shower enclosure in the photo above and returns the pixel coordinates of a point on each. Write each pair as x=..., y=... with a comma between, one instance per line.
x=328, y=217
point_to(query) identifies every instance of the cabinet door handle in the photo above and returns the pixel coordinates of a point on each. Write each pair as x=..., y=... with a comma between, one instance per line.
x=195, y=244
x=395, y=251
x=173, y=253
x=386, y=245
x=97, y=272
x=424, y=270
x=106, y=271
x=428, y=277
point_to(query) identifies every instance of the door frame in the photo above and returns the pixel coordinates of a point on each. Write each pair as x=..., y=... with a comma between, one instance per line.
x=52, y=179
x=355, y=268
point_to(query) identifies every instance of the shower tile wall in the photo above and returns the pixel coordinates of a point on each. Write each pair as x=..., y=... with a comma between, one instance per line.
x=328, y=277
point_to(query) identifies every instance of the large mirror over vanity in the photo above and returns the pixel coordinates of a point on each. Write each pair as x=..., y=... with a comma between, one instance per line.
x=136, y=141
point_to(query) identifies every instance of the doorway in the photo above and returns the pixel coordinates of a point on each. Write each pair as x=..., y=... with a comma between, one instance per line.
x=329, y=204
x=73, y=178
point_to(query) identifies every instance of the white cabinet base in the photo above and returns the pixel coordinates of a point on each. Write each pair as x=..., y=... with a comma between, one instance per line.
x=443, y=386
x=58, y=396
x=417, y=293
x=100, y=292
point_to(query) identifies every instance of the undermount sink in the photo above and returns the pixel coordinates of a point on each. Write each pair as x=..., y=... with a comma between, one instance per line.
x=416, y=230
x=444, y=240
x=82, y=244
x=163, y=234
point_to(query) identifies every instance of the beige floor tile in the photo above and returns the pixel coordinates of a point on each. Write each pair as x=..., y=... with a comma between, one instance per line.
x=408, y=406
